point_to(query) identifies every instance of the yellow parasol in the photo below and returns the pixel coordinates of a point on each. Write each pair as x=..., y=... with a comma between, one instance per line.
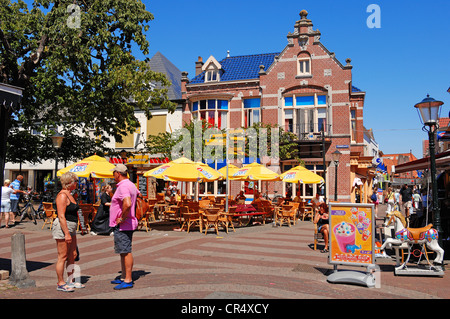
x=94, y=165
x=184, y=170
x=300, y=174
x=231, y=170
x=254, y=172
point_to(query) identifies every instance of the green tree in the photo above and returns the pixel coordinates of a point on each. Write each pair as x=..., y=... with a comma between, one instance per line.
x=76, y=65
x=164, y=143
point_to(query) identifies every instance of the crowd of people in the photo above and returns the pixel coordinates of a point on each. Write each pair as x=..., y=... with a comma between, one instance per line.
x=411, y=201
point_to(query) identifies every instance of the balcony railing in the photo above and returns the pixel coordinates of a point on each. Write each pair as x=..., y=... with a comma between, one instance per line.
x=308, y=131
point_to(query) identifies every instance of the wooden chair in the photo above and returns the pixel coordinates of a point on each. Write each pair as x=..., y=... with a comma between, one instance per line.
x=190, y=218
x=286, y=215
x=204, y=203
x=211, y=220
x=294, y=211
x=148, y=217
x=160, y=198
x=50, y=214
x=317, y=235
x=268, y=209
x=226, y=220
x=306, y=211
x=87, y=210
x=170, y=213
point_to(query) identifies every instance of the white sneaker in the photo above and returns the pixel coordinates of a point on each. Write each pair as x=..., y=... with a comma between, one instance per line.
x=93, y=233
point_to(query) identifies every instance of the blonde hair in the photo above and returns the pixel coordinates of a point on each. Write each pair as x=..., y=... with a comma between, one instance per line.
x=68, y=178
x=7, y=181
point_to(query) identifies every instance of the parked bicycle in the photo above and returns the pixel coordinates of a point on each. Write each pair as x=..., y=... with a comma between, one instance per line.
x=29, y=211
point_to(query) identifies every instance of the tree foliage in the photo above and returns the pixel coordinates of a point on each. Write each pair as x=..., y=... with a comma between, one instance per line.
x=164, y=143
x=81, y=76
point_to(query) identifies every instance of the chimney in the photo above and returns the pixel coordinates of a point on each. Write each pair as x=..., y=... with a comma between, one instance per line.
x=198, y=66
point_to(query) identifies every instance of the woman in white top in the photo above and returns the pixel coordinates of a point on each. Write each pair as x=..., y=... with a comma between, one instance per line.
x=6, y=203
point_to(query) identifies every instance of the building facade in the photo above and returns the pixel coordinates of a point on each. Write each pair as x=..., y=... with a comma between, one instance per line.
x=303, y=89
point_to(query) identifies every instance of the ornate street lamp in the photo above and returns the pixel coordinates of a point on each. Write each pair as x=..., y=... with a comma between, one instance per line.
x=335, y=156
x=429, y=111
x=57, y=140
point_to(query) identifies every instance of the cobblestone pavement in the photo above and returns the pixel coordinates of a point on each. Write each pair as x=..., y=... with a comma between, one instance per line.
x=259, y=261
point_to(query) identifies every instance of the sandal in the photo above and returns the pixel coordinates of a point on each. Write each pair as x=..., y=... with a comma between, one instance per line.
x=324, y=250
x=64, y=288
x=77, y=285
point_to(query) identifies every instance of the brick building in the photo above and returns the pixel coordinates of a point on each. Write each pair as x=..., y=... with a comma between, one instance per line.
x=305, y=90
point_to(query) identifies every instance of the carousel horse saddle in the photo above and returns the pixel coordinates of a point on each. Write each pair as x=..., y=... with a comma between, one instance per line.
x=415, y=232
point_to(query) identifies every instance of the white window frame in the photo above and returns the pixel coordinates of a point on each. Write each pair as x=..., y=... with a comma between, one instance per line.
x=217, y=112
x=212, y=76
x=307, y=114
x=304, y=66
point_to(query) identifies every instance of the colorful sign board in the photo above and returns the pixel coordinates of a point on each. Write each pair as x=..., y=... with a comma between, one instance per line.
x=352, y=238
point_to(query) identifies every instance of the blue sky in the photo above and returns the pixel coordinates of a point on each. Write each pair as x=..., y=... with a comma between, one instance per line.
x=397, y=65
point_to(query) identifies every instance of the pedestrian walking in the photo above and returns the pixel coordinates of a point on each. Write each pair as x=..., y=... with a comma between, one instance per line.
x=374, y=199
x=64, y=231
x=15, y=197
x=6, y=203
x=406, y=199
x=390, y=196
x=123, y=218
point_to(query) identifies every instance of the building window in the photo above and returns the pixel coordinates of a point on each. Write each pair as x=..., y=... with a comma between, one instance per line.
x=353, y=124
x=212, y=76
x=304, y=66
x=252, y=112
x=213, y=111
x=304, y=115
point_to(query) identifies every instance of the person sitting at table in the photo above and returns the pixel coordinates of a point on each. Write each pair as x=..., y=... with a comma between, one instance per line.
x=167, y=196
x=316, y=201
x=297, y=199
x=177, y=196
x=321, y=219
x=240, y=196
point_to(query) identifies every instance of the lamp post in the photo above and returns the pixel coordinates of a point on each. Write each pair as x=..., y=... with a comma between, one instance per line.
x=57, y=140
x=429, y=110
x=335, y=156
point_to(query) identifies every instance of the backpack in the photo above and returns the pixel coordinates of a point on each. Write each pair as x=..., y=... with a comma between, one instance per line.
x=373, y=198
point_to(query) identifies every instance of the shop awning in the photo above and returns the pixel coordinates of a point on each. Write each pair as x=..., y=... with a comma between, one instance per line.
x=442, y=162
x=139, y=160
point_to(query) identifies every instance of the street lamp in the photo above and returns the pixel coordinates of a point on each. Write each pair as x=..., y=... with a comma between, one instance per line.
x=57, y=140
x=335, y=156
x=429, y=110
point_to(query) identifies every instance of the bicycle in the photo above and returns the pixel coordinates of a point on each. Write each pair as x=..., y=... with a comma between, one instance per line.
x=29, y=211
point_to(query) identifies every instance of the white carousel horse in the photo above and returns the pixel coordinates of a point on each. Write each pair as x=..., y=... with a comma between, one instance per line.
x=425, y=235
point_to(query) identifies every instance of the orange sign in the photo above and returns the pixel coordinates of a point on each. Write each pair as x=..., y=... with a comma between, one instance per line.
x=352, y=233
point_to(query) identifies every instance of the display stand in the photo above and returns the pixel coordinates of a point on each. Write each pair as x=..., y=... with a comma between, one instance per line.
x=352, y=242
x=353, y=277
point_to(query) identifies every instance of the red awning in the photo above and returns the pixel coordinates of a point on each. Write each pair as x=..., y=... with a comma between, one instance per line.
x=442, y=161
x=154, y=161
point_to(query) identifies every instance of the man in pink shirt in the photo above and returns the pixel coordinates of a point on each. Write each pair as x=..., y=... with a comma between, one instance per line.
x=123, y=219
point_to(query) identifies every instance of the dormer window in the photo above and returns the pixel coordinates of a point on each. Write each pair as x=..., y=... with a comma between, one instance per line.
x=212, y=70
x=212, y=76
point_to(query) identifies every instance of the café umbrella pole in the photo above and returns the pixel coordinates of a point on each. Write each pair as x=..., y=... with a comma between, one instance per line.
x=226, y=177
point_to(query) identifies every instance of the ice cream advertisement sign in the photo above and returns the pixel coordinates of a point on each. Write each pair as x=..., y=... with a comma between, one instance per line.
x=351, y=233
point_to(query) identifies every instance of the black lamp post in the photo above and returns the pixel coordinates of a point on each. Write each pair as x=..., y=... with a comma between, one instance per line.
x=335, y=156
x=429, y=110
